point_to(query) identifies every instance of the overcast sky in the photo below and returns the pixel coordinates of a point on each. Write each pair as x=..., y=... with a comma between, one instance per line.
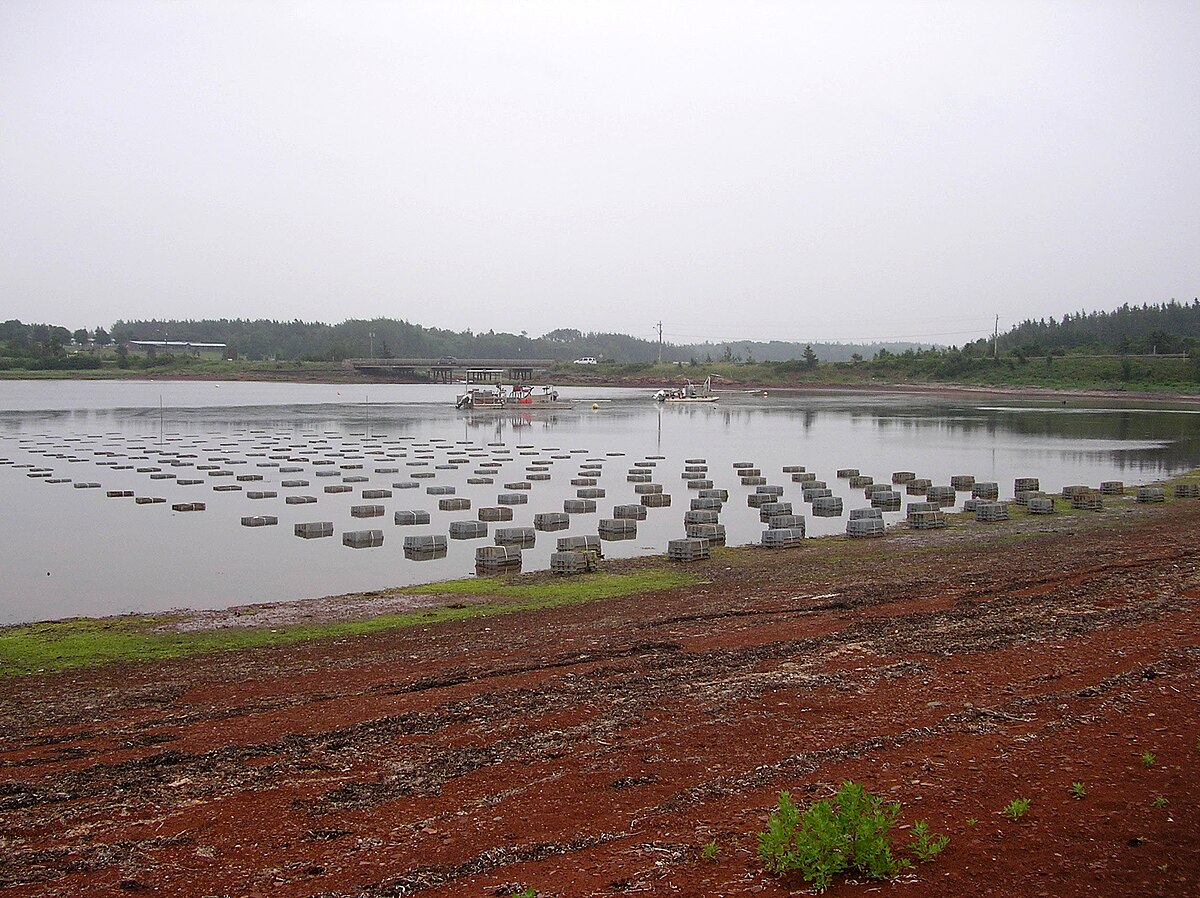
x=800, y=171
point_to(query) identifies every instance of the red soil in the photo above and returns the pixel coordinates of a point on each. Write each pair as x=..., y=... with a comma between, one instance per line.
x=594, y=749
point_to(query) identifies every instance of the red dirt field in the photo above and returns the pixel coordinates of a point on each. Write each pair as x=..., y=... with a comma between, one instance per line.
x=595, y=749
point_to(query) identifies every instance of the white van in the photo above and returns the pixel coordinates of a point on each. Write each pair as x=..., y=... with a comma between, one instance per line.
x=588, y=360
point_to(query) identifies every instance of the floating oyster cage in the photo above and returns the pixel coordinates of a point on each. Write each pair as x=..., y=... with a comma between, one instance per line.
x=927, y=520
x=827, y=506
x=689, y=549
x=299, y=500
x=786, y=521
x=941, y=495
x=524, y=537
x=638, y=478
x=1188, y=489
x=512, y=499
x=1040, y=505
x=425, y=554
x=742, y=465
x=783, y=538
x=721, y=494
x=497, y=558
x=259, y=520
x=861, y=481
x=495, y=513
x=889, y=501
x=468, y=529
x=573, y=562
x=754, y=480
x=847, y=473
x=1026, y=484
x=861, y=528
x=803, y=477
x=410, y=517
x=811, y=495
x=706, y=502
x=861, y=514
x=551, y=520
x=699, y=484
x=579, y=506
x=583, y=481
x=1023, y=497
x=656, y=500
x=617, y=529
x=188, y=506
x=990, y=512
x=793, y=469
x=425, y=542
x=714, y=533
x=377, y=494
x=701, y=516
x=871, y=489
x=313, y=529
x=1070, y=492
x=902, y=477
x=769, y=510
x=630, y=512
x=1151, y=494
x=1112, y=487
x=582, y=543
x=593, y=492
x=918, y=486
x=914, y=507
x=440, y=490
x=453, y=503
x=366, y=511
x=645, y=489
x=983, y=489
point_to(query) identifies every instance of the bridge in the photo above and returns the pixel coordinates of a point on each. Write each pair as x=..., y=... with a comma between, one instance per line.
x=446, y=370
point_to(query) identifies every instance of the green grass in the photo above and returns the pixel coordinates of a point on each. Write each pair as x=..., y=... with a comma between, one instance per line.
x=85, y=642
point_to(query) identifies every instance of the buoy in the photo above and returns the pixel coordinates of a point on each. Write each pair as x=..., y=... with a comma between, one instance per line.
x=595, y=406
x=764, y=392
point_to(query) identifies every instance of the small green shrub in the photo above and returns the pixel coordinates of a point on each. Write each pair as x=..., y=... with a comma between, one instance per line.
x=971, y=821
x=1148, y=760
x=710, y=850
x=924, y=846
x=1077, y=790
x=849, y=832
x=1160, y=801
x=1016, y=808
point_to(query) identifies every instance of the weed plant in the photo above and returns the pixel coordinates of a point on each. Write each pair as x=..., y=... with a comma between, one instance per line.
x=1016, y=808
x=1148, y=760
x=849, y=832
x=1078, y=790
x=924, y=846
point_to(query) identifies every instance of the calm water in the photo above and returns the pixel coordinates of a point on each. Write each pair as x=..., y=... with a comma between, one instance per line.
x=70, y=551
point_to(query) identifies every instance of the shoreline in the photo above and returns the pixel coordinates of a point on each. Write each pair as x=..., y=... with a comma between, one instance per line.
x=636, y=744
x=330, y=377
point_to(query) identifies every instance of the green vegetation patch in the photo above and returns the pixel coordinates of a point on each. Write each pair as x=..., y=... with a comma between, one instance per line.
x=86, y=642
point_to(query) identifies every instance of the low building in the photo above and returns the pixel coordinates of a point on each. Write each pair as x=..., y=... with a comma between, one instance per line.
x=178, y=347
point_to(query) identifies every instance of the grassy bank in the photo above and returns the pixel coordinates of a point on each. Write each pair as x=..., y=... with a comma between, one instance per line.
x=87, y=642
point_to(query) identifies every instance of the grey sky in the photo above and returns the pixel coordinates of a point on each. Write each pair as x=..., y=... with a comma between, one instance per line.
x=801, y=171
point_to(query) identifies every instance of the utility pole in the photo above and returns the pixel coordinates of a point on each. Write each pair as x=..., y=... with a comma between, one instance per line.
x=659, y=326
x=996, y=339
x=371, y=334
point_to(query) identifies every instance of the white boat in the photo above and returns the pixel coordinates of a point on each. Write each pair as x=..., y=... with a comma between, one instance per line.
x=689, y=392
x=521, y=397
